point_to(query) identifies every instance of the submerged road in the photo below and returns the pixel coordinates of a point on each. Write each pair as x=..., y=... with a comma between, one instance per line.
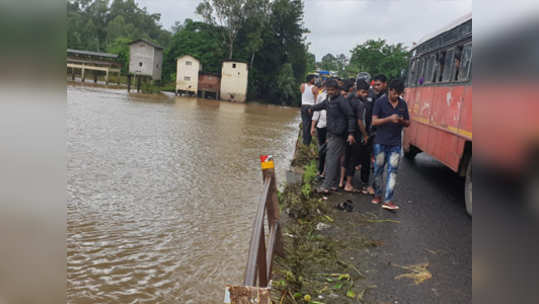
x=428, y=241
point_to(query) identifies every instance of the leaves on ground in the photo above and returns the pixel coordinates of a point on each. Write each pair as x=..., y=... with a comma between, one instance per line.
x=419, y=272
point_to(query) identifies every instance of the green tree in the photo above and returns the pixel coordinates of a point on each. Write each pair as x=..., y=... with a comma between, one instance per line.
x=379, y=57
x=197, y=39
x=227, y=14
x=120, y=46
x=287, y=85
x=329, y=62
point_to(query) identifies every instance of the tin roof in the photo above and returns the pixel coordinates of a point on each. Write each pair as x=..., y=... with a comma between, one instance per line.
x=147, y=42
x=90, y=53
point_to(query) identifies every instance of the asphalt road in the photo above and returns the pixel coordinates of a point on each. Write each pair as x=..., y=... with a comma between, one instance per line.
x=431, y=230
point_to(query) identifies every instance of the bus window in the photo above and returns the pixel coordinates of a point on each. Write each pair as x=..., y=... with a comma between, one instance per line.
x=420, y=72
x=412, y=73
x=466, y=63
x=429, y=70
x=448, y=65
x=440, y=59
x=457, y=63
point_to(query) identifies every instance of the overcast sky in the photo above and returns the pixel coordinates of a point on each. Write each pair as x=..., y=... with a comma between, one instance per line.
x=337, y=26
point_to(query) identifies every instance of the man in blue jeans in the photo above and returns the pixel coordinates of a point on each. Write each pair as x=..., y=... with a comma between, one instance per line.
x=389, y=115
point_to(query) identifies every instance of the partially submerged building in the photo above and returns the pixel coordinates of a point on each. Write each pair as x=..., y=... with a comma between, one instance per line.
x=209, y=83
x=145, y=59
x=98, y=63
x=234, y=75
x=187, y=74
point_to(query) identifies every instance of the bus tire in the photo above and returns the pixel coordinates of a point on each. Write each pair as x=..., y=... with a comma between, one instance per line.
x=411, y=153
x=468, y=188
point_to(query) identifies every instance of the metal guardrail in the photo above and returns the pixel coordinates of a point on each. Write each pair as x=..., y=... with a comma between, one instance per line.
x=256, y=285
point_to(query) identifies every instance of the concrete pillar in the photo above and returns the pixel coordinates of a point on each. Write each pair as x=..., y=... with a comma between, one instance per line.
x=73, y=74
x=82, y=74
x=107, y=77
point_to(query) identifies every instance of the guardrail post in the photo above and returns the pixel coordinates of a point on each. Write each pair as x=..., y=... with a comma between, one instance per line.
x=268, y=171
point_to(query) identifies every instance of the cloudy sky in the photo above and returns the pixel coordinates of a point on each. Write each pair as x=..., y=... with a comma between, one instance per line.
x=337, y=26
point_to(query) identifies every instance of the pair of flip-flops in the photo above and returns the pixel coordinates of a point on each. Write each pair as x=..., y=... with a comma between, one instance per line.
x=346, y=206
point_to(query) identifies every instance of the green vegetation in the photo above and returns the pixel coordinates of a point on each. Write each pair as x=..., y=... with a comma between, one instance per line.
x=268, y=35
x=372, y=56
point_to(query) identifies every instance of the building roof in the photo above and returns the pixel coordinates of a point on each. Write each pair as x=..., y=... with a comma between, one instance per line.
x=449, y=27
x=90, y=53
x=187, y=56
x=237, y=61
x=147, y=42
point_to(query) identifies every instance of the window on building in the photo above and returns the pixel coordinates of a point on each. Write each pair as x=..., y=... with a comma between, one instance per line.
x=188, y=63
x=187, y=78
x=157, y=65
x=140, y=64
x=233, y=65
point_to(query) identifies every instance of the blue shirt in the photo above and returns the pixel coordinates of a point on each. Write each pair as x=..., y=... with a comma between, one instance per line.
x=389, y=133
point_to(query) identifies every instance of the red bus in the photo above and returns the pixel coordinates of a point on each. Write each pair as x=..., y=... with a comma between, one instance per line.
x=439, y=96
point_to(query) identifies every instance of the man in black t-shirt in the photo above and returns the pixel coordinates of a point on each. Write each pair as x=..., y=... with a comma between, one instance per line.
x=389, y=115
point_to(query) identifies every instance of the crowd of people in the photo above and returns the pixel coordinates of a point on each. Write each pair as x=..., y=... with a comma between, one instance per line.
x=358, y=122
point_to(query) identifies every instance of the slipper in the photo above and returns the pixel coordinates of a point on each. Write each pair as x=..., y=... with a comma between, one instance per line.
x=354, y=190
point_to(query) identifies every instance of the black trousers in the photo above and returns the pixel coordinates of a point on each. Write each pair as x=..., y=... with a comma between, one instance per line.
x=352, y=155
x=306, y=119
x=322, y=147
x=365, y=160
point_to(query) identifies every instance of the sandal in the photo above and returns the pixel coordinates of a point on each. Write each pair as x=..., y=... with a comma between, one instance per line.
x=354, y=190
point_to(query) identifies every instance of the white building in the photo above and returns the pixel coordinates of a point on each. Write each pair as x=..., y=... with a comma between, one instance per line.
x=187, y=68
x=145, y=59
x=234, y=81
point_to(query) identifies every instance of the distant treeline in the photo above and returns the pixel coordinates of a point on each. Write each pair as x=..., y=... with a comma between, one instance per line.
x=266, y=34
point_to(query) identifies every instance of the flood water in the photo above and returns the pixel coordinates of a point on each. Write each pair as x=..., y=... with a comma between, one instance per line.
x=162, y=194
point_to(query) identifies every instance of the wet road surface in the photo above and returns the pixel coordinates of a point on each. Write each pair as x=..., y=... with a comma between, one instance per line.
x=431, y=232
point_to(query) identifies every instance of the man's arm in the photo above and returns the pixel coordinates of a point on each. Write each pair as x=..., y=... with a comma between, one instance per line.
x=314, y=89
x=376, y=111
x=381, y=121
x=302, y=88
x=344, y=104
x=319, y=106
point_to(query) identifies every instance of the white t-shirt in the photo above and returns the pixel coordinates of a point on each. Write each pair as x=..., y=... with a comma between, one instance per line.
x=320, y=115
x=307, y=97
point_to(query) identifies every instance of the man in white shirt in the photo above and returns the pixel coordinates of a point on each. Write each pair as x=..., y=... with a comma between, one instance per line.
x=308, y=98
x=318, y=126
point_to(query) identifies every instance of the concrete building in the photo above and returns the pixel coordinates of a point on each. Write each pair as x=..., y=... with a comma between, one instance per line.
x=187, y=69
x=145, y=59
x=234, y=81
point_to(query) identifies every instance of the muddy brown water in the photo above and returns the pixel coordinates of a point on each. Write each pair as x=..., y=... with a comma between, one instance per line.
x=161, y=193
